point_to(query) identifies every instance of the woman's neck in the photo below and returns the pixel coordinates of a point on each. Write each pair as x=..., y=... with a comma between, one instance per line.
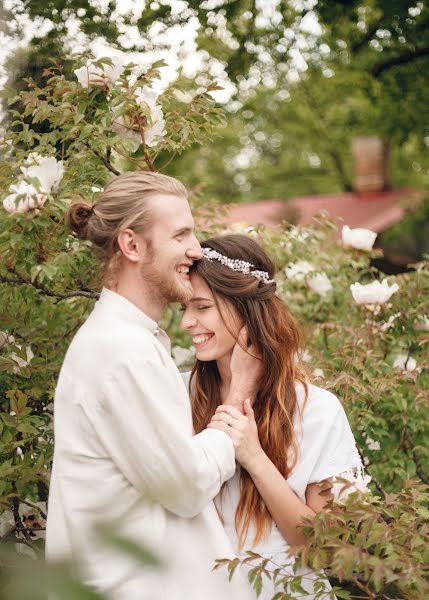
x=224, y=368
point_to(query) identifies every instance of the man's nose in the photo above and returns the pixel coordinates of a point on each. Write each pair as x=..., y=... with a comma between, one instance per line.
x=194, y=251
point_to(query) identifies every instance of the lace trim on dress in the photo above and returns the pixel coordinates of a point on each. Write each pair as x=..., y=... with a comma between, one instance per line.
x=356, y=481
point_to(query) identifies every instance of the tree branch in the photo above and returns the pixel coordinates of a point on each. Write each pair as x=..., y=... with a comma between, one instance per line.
x=20, y=280
x=401, y=59
x=104, y=159
x=369, y=34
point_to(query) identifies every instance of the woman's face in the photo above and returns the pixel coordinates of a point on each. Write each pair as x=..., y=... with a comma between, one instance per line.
x=214, y=330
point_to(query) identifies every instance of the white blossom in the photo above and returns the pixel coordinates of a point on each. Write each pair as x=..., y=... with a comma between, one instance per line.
x=318, y=373
x=405, y=362
x=298, y=270
x=320, y=284
x=183, y=356
x=372, y=444
x=127, y=127
x=306, y=356
x=90, y=74
x=48, y=171
x=375, y=292
x=362, y=239
x=23, y=197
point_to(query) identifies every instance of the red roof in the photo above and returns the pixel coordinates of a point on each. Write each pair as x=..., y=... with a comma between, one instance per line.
x=376, y=211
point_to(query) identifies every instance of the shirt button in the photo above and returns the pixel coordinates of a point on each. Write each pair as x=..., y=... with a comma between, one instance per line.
x=155, y=332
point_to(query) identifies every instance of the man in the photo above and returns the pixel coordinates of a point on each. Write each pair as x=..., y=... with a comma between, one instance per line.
x=124, y=453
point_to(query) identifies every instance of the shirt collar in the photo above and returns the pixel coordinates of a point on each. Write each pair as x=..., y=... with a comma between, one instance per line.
x=127, y=310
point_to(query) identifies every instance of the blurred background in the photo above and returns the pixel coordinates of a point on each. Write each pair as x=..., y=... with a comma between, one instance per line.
x=326, y=102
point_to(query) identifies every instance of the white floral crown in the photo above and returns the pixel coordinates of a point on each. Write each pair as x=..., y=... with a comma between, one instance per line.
x=235, y=264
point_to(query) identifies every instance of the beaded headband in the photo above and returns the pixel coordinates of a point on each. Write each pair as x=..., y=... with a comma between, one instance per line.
x=235, y=264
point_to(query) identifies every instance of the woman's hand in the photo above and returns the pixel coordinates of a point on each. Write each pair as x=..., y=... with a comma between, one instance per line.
x=243, y=431
x=246, y=370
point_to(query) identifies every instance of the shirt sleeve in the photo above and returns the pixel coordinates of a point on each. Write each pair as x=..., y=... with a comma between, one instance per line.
x=145, y=424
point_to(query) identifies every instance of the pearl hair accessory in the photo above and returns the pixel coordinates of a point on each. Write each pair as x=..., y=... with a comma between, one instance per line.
x=235, y=264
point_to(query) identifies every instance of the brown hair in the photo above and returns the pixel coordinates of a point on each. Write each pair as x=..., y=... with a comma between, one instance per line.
x=275, y=334
x=122, y=204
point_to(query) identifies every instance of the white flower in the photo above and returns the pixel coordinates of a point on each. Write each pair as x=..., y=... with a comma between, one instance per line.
x=318, y=374
x=93, y=75
x=362, y=239
x=153, y=134
x=306, y=356
x=421, y=324
x=126, y=125
x=183, y=356
x=298, y=233
x=320, y=284
x=298, y=270
x=24, y=197
x=48, y=171
x=20, y=453
x=405, y=362
x=372, y=444
x=373, y=293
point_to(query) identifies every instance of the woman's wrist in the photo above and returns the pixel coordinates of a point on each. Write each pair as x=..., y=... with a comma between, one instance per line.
x=257, y=464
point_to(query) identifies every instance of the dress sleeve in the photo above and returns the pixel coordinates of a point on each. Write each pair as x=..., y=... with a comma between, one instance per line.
x=326, y=444
x=144, y=422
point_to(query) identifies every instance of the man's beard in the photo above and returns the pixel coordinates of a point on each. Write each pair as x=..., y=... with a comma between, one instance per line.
x=165, y=289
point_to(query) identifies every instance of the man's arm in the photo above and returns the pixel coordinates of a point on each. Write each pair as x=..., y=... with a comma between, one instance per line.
x=144, y=422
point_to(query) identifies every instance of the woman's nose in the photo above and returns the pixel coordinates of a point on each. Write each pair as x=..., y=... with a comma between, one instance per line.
x=187, y=321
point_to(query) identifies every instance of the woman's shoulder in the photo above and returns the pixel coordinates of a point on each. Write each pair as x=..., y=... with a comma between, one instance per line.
x=313, y=399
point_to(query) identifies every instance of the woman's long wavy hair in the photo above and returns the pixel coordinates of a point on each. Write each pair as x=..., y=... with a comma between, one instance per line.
x=275, y=334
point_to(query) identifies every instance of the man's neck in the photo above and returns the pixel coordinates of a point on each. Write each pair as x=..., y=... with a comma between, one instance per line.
x=136, y=293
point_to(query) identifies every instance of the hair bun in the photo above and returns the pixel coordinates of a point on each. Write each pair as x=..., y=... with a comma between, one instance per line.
x=78, y=216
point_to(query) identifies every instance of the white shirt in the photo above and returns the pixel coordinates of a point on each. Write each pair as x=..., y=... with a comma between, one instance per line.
x=125, y=456
x=326, y=448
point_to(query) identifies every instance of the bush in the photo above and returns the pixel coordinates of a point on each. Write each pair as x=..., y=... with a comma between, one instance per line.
x=373, y=355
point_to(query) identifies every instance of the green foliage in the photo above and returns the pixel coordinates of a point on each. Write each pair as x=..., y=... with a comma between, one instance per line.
x=47, y=288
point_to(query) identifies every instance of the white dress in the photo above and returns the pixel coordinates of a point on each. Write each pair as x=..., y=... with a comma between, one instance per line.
x=326, y=448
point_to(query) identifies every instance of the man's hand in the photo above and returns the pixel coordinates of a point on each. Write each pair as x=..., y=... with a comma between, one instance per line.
x=246, y=371
x=243, y=431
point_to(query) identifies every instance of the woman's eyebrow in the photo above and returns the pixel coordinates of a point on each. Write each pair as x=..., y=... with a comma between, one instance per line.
x=200, y=299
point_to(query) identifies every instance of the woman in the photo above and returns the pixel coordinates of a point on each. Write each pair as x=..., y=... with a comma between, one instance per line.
x=292, y=437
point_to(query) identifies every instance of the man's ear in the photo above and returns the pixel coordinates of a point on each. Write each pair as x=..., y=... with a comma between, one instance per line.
x=132, y=245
